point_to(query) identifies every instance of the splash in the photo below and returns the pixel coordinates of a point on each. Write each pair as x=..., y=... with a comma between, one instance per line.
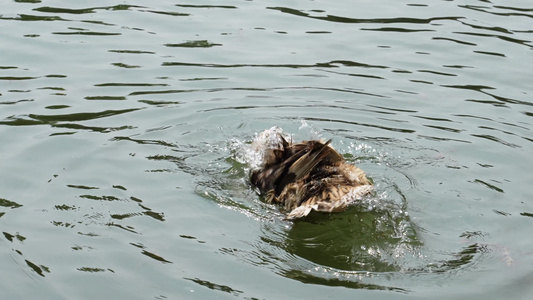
x=252, y=153
x=375, y=240
x=311, y=130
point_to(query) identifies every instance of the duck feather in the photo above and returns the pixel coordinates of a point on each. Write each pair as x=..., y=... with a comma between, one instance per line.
x=308, y=176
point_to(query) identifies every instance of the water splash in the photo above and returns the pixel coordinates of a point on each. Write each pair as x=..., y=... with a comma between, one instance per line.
x=252, y=153
x=362, y=247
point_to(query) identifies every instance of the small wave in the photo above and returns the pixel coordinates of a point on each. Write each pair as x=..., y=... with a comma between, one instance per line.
x=364, y=247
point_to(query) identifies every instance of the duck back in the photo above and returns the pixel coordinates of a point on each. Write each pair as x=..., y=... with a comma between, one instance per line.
x=307, y=176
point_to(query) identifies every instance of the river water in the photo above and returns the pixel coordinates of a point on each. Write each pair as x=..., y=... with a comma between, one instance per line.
x=125, y=133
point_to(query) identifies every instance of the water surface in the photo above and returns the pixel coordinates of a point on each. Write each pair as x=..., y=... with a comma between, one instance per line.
x=126, y=131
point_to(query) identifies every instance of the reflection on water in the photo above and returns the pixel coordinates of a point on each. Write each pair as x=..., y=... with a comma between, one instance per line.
x=356, y=241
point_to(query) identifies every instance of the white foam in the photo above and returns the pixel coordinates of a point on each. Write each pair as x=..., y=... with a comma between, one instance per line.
x=268, y=139
x=253, y=154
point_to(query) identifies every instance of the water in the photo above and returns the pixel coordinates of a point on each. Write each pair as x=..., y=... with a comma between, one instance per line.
x=126, y=131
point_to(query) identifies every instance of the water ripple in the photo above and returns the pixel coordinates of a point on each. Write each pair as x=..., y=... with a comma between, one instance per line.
x=340, y=19
x=361, y=248
x=126, y=132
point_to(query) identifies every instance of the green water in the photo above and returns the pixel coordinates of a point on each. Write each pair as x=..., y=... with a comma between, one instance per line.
x=125, y=129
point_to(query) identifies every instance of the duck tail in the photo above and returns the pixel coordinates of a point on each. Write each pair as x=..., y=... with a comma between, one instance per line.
x=332, y=206
x=299, y=212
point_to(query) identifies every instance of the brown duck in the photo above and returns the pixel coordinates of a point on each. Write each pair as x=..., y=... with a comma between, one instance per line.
x=307, y=176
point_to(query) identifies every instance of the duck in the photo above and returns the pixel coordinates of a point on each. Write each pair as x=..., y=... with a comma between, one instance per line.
x=308, y=176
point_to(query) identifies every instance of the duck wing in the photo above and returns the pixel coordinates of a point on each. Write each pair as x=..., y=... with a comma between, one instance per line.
x=288, y=164
x=273, y=166
x=307, y=160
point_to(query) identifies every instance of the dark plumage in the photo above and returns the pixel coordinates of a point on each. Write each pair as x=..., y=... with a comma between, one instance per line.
x=309, y=175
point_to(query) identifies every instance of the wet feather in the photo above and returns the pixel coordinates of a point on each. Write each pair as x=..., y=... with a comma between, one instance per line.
x=308, y=176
